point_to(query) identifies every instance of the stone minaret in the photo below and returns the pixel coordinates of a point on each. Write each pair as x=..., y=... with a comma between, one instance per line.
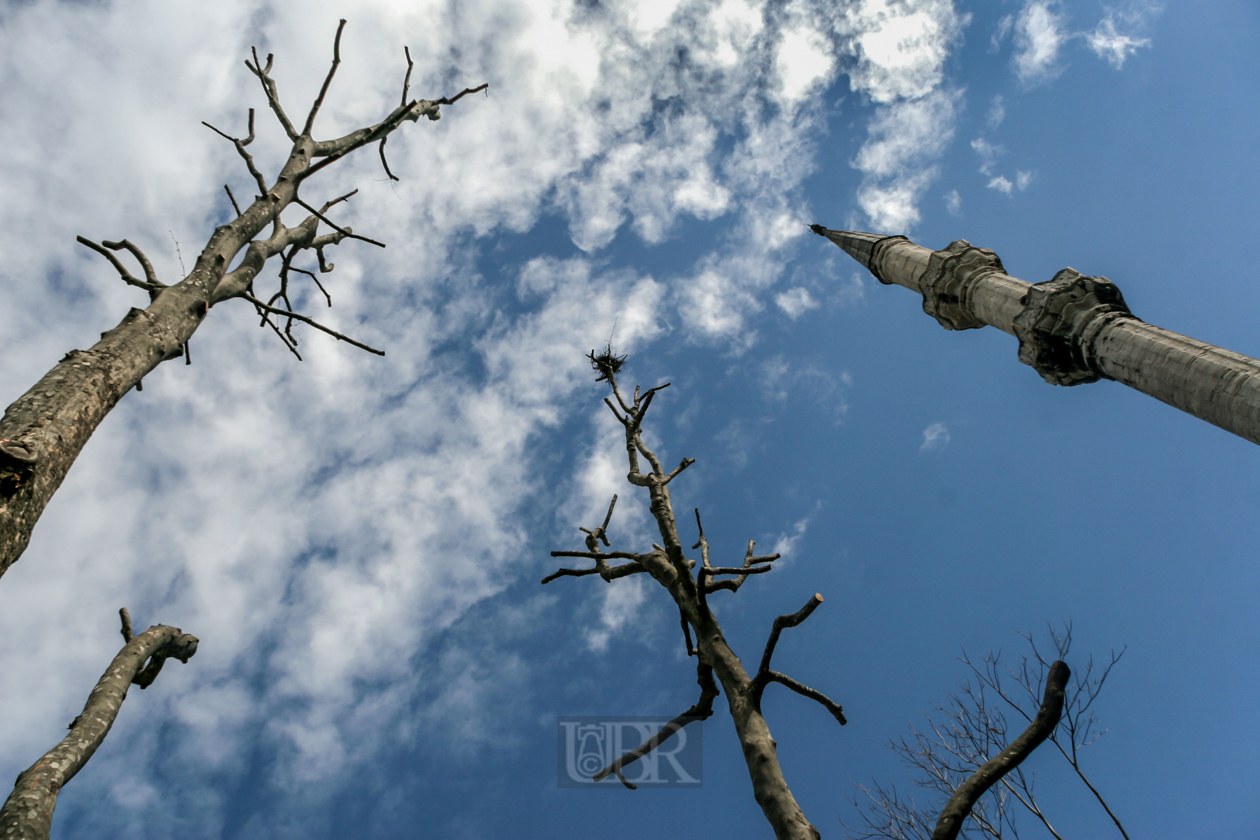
x=1072, y=329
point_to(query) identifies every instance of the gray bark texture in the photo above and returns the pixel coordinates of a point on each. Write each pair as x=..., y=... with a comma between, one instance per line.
x=43, y=432
x=27, y=813
x=1072, y=329
x=673, y=570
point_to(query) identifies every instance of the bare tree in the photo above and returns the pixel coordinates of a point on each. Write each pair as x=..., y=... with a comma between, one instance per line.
x=670, y=568
x=43, y=432
x=972, y=725
x=27, y=813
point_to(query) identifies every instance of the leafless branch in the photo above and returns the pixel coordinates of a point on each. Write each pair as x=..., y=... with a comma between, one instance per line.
x=686, y=462
x=151, y=285
x=971, y=728
x=787, y=621
x=273, y=96
x=1078, y=720
x=343, y=231
x=126, y=625
x=402, y=102
x=406, y=79
x=285, y=313
x=594, y=537
x=765, y=675
x=611, y=573
x=240, y=145
x=451, y=100
x=749, y=568
x=805, y=691
x=742, y=571
x=149, y=274
x=232, y=199
x=319, y=100
x=959, y=805
x=702, y=710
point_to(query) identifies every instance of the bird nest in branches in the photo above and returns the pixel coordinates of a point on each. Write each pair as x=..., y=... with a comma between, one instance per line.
x=606, y=363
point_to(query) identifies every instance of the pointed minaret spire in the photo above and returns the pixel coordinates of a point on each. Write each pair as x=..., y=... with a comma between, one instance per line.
x=1072, y=329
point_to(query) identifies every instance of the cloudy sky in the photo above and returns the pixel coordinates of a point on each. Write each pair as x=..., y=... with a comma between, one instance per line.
x=358, y=541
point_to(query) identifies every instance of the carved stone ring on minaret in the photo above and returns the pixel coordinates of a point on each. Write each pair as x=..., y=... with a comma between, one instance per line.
x=1072, y=329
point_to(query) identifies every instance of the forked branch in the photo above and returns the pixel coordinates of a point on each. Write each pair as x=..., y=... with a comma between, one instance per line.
x=150, y=284
x=766, y=676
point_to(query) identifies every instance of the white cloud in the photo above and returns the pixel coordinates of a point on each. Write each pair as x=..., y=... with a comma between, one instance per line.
x=796, y=301
x=1000, y=32
x=1002, y=184
x=805, y=61
x=1039, y=35
x=623, y=599
x=1005, y=186
x=902, y=52
x=935, y=437
x=997, y=112
x=1110, y=43
x=894, y=207
x=717, y=306
x=953, y=203
x=988, y=153
x=785, y=382
x=785, y=544
x=904, y=139
x=902, y=46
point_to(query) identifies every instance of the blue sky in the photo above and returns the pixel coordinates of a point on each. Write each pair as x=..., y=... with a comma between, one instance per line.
x=358, y=541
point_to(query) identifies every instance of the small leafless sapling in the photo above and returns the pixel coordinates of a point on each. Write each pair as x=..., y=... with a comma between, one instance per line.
x=972, y=725
x=43, y=432
x=27, y=813
x=668, y=565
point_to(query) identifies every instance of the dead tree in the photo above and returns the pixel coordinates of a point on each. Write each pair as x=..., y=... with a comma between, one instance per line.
x=673, y=570
x=43, y=432
x=971, y=726
x=27, y=813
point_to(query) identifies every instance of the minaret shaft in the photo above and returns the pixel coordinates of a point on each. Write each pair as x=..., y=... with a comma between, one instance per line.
x=1072, y=329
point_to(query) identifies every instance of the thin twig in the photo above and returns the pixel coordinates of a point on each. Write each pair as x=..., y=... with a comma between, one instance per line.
x=451, y=100
x=610, y=573
x=273, y=96
x=150, y=286
x=702, y=710
x=290, y=314
x=959, y=805
x=319, y=100
x=343, y=231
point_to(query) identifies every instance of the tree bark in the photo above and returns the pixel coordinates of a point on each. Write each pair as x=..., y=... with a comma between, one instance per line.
x=27, y=813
